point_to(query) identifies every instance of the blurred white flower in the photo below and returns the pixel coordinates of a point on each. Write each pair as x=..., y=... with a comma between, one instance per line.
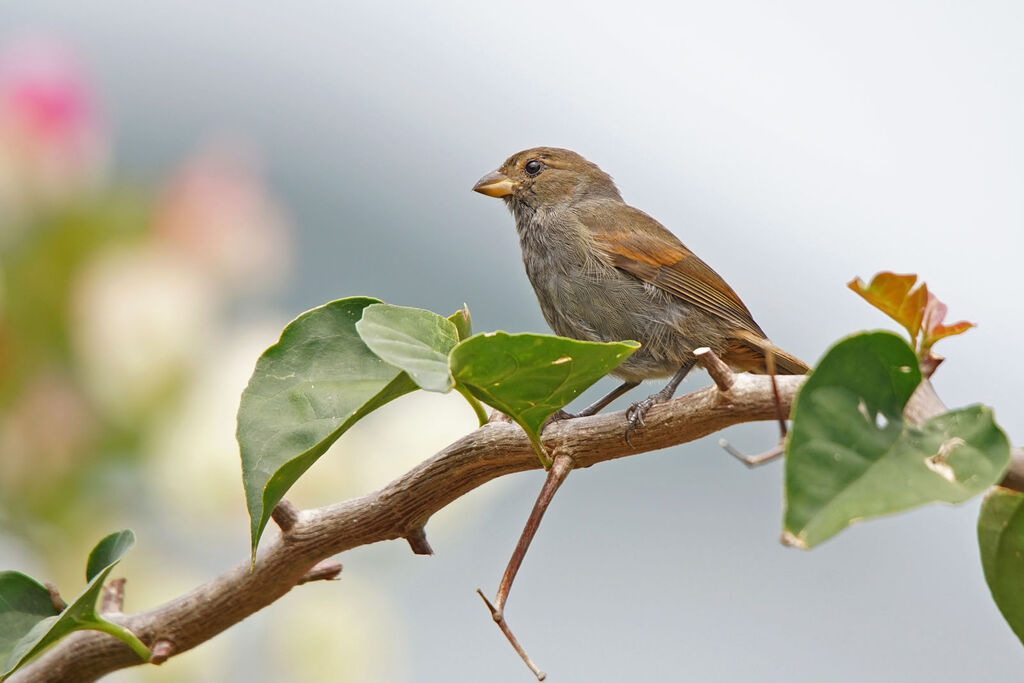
x=52, y=146
x=218, y=212
x=194, y=461
x=140, y=318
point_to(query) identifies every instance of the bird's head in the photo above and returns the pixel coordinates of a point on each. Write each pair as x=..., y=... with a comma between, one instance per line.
x=546, y=176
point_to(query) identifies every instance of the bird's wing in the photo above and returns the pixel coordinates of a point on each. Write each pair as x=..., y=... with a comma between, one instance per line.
x=642, y=247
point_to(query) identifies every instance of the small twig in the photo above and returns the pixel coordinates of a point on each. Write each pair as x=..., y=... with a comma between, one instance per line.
x=161, y=651
x=417, y=539
x=58, y=602
x=780, y=414
x=285, y=515
x=556, y=475
x=716, y=368
x=327, y=570
x=499, y=619
x=754, y=460
x=112, y=600
x=560, y=469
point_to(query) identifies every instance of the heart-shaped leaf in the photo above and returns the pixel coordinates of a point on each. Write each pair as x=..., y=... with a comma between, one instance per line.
x=412, y=339
x=306, y=390
x=1001, y=540
x=850, y=455
x=29, y=621
x=529, y=377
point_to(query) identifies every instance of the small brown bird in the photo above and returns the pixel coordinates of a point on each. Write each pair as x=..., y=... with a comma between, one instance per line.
x=605, y=271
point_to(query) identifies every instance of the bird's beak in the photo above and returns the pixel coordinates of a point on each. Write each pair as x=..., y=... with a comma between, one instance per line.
x=494, y=184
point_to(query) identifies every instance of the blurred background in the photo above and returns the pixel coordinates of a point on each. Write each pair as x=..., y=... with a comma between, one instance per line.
x=178, y=180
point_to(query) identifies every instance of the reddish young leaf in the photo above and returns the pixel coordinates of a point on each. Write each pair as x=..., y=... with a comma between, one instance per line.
x=895, y=296
x=932, y=327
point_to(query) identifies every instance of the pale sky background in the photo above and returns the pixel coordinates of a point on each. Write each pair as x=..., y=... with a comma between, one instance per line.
x=792, y=145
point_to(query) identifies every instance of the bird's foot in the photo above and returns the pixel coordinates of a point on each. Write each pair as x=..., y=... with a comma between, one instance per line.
x=559, y=416
x=636, y=412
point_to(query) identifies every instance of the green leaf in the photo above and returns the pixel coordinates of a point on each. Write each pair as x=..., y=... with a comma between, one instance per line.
x=850, y=455
x=24, y=602
x=529, y=377
x=29, y=622
x=108, y=552
x=461, y=320
x=1001, y=540
x=306, y=390
x=412, y=339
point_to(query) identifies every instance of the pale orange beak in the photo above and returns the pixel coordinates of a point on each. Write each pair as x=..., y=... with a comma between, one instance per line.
x=494, y=184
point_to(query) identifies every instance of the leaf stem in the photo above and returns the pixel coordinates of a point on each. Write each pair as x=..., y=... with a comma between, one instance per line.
x=478, y=408
x=122, y=634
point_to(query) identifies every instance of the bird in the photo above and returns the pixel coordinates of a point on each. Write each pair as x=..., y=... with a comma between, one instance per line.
x=605, y=271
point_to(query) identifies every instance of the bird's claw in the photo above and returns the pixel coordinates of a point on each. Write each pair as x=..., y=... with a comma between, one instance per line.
x=557, y=417
x=635, y=416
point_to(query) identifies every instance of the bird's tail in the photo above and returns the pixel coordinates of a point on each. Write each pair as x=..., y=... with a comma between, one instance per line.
x=771, y=359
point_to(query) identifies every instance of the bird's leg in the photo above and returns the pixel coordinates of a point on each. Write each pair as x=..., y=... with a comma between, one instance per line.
x=597, y=406
x=635, y=413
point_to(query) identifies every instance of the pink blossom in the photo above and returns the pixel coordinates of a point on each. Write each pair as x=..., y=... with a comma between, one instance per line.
x=218, y=212
x=52, y=145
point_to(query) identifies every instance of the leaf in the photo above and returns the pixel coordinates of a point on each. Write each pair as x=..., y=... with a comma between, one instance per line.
x=850, y=455
x=306, y=391
x=461, y=320
x=24, y=602
x=918, y=310
x=932, y=327
x=108, y=552
x=412, y=339
x=1001, y=541
x=29, y=623
x=463, y=325
x=894, y=295
x=529, y=377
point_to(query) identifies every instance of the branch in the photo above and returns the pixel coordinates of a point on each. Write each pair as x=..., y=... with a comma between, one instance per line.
x=400, y=510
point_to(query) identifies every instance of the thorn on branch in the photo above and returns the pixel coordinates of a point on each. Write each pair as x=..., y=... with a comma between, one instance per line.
x=112, y=600
x=716, y=367
x=285, y=515
x=327, y=570
x=417, y=539
x=58, y=602
x=930, y=363
x=753, y=460
x=162, y=650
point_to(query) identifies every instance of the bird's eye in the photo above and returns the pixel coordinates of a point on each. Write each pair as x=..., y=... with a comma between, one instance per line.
x=533, y=167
